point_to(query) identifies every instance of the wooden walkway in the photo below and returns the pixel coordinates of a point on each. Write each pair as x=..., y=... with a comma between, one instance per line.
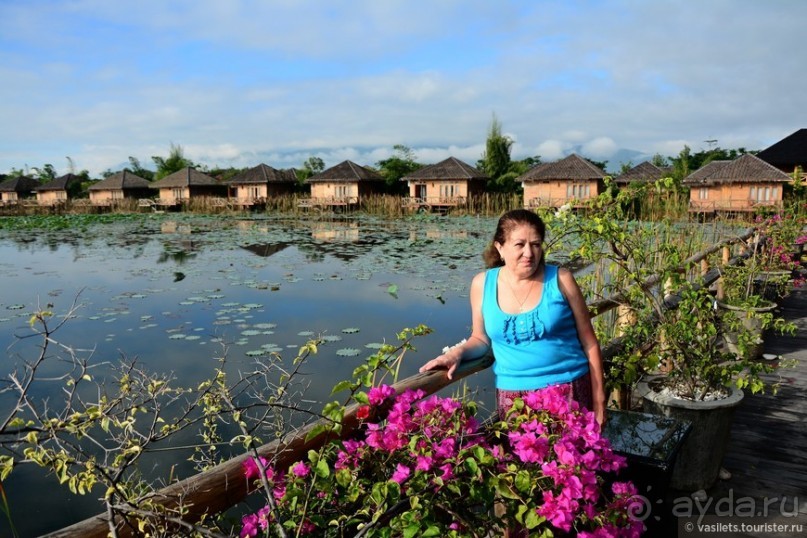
x=767, y=455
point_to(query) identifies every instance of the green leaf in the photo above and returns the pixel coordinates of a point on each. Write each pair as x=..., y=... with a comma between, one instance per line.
x=433, y=530
x=411, y=531
x=532, y=519
x=322, y=469
x=523, y=481
x=342, y=385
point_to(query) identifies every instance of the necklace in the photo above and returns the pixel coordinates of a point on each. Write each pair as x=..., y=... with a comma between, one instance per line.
x=515, y=296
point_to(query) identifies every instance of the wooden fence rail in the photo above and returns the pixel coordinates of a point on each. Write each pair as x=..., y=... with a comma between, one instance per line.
x=225, y=485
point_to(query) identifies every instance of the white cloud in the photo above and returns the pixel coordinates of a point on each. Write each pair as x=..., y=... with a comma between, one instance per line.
x=600, y=147
x=287, y=79
x=551, y=150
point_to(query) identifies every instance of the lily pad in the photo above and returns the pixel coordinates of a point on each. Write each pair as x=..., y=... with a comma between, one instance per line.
x=348, y=352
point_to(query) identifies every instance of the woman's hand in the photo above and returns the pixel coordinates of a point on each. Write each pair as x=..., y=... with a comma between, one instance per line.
x=446, y=360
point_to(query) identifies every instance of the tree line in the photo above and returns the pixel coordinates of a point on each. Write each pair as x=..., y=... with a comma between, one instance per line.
x=496, y=162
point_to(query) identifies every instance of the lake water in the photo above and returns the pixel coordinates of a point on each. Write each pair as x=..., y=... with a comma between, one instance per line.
x=169, y=290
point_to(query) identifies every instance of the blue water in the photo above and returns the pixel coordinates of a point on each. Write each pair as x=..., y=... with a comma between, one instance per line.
x=177, y=293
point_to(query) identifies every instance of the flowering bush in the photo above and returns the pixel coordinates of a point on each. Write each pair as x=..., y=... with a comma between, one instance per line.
x=430, y=469
x=784, y=232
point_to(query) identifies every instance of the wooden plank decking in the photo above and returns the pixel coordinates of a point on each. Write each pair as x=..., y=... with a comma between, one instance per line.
x=767, y=454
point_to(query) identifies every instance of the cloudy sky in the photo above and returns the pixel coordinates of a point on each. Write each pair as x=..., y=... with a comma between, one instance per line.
x=241, y=82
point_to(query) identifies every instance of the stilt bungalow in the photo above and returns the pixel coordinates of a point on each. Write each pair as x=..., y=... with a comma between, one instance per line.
x=254, y=186
x=342, y=185
x=443, y=186
x=571, y=180
x=181, y=186
x=119, y=187
x=16, y=189
x=58, y=191
x=742, y=185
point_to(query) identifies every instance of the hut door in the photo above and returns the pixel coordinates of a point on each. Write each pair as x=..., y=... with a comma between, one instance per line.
x=420, y=192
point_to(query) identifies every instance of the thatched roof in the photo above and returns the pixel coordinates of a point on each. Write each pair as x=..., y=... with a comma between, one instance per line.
x=448, y=169
x=572, y=167
x=187, y=177
x=121, y=181
x=789, y=152
x=61, y=183
x=262, y=174
x=645, y=172
x=746, y=168
x=346, y=171
x=19, y=184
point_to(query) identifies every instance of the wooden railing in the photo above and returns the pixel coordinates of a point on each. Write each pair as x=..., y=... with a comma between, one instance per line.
x=415, y=201
x=328, y=201
x=225, y=485
x=745, y=204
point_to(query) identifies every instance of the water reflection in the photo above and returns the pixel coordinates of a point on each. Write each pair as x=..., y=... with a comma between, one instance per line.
x=335, y=231
x=256, y=287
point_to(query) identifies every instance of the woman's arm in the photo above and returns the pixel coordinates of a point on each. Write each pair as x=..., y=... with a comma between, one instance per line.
x=588, y=339
x=476, y=345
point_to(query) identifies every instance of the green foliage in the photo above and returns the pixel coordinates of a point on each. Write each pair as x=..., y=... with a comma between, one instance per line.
x=496, y=158
x=135, y=168
x=313, y=165
x=45, y=174
x=399, y=165
x=175, y=162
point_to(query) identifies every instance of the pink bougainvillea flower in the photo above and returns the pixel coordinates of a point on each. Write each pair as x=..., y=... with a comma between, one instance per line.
x=300, y=469
x=401, y=473
x=377, y=395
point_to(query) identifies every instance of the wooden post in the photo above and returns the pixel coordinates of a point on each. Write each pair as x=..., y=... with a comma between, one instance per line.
x=625, y=317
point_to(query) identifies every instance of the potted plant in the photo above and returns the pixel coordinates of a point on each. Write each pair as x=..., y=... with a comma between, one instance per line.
x=744, y=305
x=701, y=380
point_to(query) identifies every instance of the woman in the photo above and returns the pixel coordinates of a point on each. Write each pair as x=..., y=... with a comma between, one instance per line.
x=534, y=317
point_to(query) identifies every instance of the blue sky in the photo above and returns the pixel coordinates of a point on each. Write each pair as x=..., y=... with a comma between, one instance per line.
x=243, y=82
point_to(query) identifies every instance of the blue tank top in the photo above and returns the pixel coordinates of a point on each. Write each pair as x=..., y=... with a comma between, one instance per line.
x=537, y=348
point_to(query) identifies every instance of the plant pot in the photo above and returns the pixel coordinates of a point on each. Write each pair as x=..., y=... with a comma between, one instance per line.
x=750, y=317
x=698, y=463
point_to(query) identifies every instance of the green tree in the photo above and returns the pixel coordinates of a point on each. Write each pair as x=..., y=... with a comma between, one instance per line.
x=659, y=161
x=135, y=168
x=175, y=162
x=45, y=174
x=682, y=165
x=312, y=165
x=496, y=158
x=625, y=167
x=400, y=164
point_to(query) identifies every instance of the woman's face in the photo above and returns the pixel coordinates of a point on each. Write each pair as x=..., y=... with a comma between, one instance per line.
x=521, y=250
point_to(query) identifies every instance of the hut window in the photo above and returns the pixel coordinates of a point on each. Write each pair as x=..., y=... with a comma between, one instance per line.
x=117, y=195
x=703, y=193
x=449, y=191
x=342, y=191
x=253, y=192
x=578, y=190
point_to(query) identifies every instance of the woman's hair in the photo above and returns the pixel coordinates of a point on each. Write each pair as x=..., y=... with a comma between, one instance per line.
x=507, y=222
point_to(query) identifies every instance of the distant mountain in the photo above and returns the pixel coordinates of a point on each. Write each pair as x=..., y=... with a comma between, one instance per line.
x=622, y=156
